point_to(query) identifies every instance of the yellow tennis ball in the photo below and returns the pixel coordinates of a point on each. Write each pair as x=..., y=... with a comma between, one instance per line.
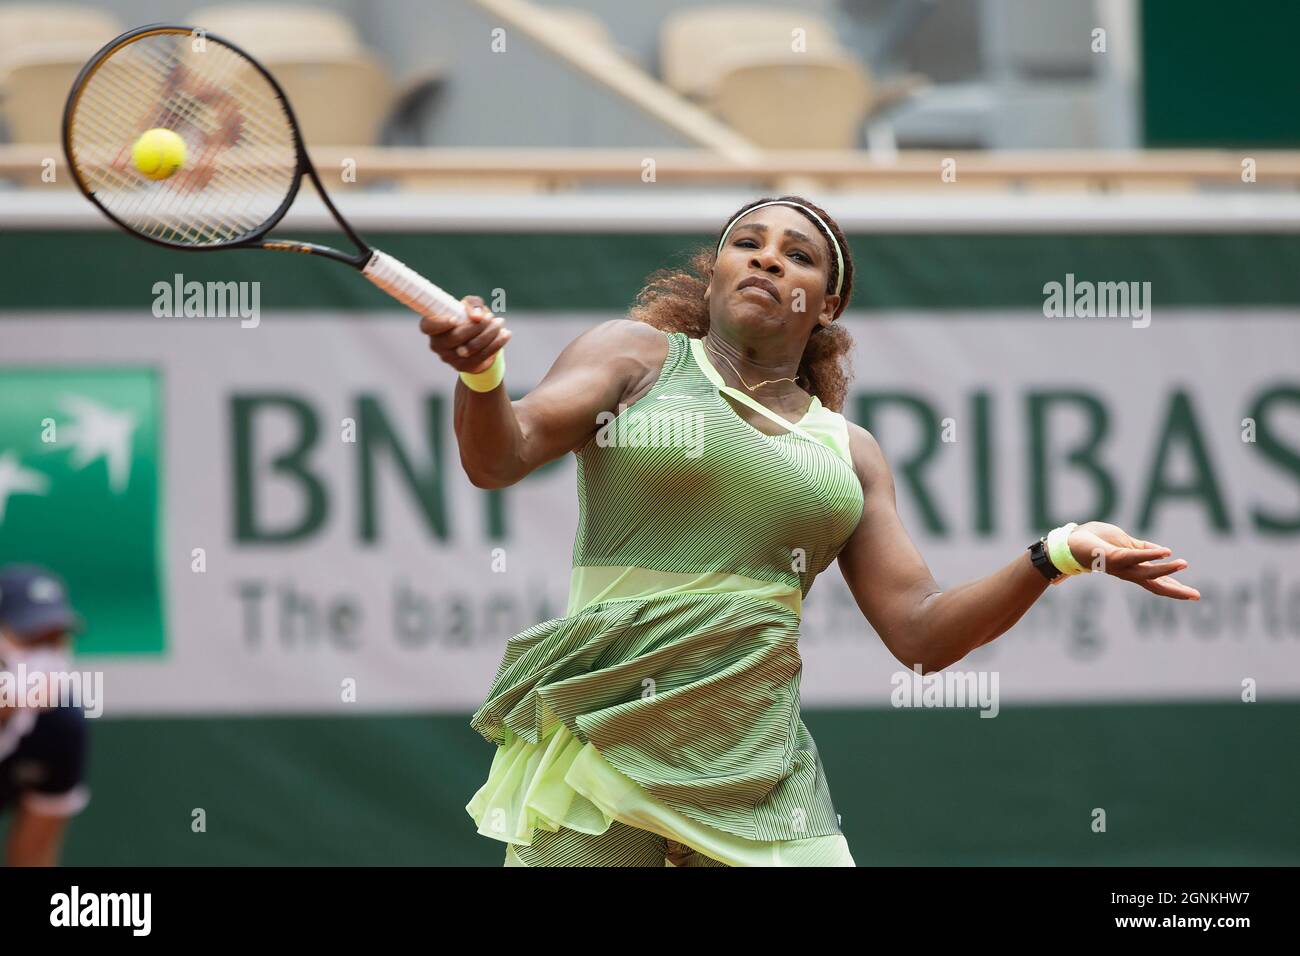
x=158, y=153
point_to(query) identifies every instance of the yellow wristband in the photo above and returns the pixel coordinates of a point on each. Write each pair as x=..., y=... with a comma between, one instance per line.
x=490, y=377
x=1058, y=550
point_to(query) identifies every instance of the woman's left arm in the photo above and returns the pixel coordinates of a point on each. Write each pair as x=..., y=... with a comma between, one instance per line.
x=923, y=624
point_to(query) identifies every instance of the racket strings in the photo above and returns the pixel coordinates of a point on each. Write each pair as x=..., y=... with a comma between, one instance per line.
x=128, y=87
x=258, y=176
x=241, y=158
x=215, y=219
x=163, y=211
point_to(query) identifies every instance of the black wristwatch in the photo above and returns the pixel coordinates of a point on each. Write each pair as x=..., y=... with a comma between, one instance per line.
x=1038, y=555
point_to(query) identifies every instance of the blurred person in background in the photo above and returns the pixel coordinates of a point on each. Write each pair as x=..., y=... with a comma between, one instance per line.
x=42, y=748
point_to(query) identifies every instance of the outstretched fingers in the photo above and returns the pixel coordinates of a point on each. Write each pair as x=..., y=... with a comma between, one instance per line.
x=1168, y=587
x=1119, y=559
x=1151, y=569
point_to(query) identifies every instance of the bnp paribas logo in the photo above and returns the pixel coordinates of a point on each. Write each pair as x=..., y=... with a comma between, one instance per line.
x=80, y=492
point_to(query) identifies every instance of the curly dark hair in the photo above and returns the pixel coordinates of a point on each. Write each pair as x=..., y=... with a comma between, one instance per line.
x=673, y=300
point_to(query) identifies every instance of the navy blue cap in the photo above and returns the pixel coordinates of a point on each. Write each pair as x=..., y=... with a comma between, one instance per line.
x=34, y=601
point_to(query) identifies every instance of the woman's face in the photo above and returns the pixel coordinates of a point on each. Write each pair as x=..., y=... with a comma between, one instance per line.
x=770, y=276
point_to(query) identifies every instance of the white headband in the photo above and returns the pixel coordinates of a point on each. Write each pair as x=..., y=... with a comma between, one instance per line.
x=839, y=256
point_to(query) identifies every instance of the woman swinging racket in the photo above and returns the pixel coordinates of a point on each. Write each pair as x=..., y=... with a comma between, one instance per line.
x=659, y=718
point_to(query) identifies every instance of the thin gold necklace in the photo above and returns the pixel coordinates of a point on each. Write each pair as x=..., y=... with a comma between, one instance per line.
x=769, y=381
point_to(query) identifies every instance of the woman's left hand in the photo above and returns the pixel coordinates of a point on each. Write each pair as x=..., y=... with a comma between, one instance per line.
x=1129, y=558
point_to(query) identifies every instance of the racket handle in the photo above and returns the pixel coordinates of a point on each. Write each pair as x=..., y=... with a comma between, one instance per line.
x=412, y=289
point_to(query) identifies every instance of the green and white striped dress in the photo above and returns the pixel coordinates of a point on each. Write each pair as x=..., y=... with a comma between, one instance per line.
x=667, y=697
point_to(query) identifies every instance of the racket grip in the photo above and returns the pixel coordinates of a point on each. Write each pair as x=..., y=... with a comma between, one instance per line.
x=412, y=289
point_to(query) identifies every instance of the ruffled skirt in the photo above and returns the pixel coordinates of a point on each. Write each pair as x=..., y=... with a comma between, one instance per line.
x=675, y=713
x=562, y=782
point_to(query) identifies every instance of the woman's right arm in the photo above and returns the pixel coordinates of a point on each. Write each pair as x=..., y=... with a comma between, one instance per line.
x=502, y=441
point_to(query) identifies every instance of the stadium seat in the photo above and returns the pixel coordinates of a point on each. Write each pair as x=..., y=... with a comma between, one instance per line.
x=690, y=42
x=34, y=84
x=812, y=104
x=42, y=48
x=338, y=100
x=341, y=93
x=779, y=77
x=262, y=28
x=25, y=25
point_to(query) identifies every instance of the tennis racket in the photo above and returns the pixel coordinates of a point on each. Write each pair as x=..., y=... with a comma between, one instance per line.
x=244, y=157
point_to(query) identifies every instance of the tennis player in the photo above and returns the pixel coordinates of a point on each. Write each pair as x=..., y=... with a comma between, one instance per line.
x=658, y=720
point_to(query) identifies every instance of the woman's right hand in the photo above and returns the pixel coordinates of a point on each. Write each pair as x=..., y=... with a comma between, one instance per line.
x=467, y=346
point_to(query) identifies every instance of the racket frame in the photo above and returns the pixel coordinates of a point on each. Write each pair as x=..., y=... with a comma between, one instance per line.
x=303, y=166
